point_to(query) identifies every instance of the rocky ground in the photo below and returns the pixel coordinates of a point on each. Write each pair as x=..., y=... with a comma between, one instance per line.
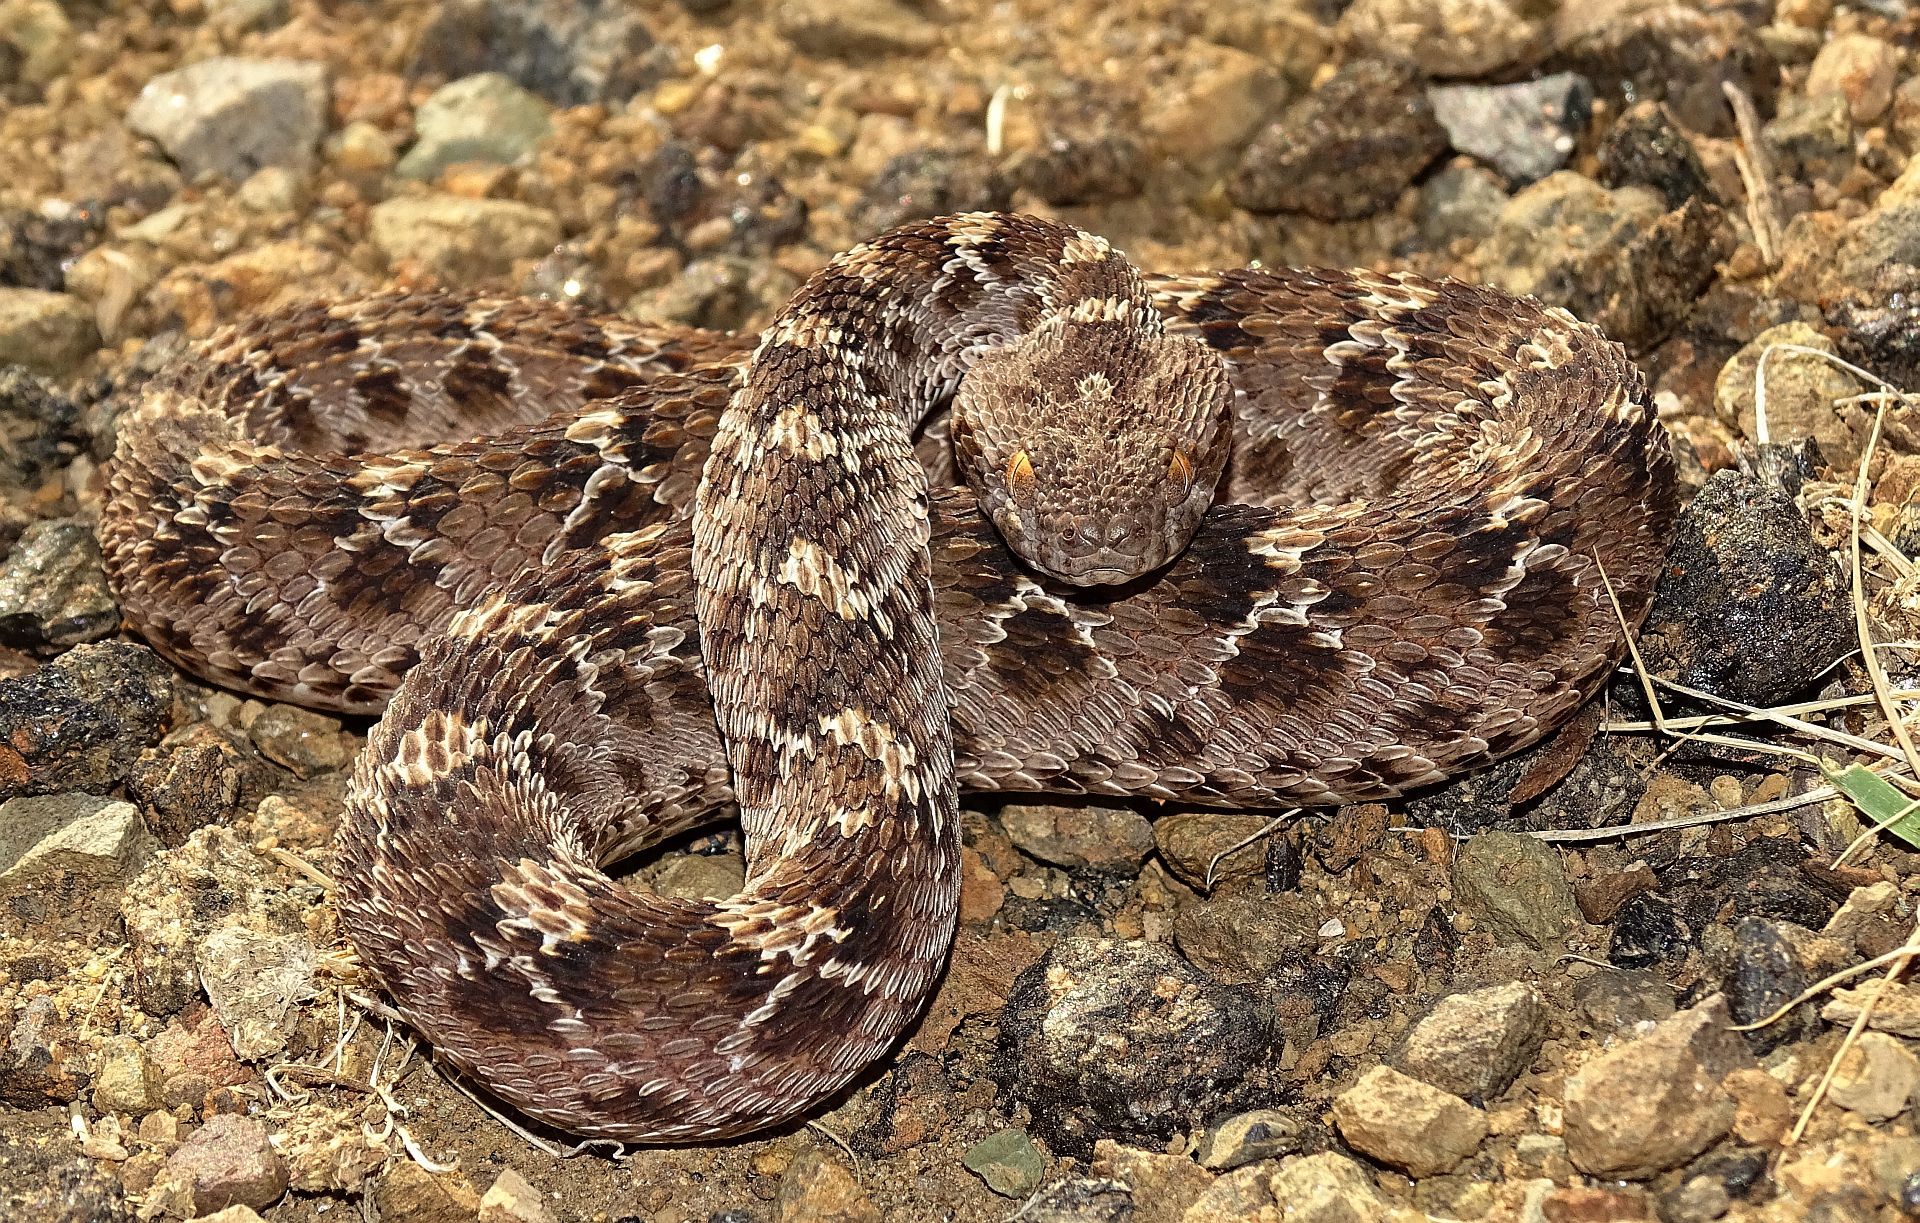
x=1511, y=999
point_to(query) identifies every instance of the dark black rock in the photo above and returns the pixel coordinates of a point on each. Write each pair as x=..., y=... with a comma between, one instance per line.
x=570, y=52
x=37, y=244
x=38, y=431
x=1082, y=1200
x=1646, y=148
x=1525, y=130
x=1763, y=968
x=53, y=588
x=1748, y=606
x=79, y=722
x=1676, y=55
x=929, y=182
x=1345, y=150
x=1646, y=933
x=670, y=181
x=1190, y=1040
x=1083, y=169
x=44, y=1179
x=1883, y=337
x=1769, y=877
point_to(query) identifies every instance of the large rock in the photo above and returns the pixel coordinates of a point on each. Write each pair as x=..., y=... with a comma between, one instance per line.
x=234, y=116
x=1657, y=1101
x=49, y=333
x=462, y=240
x=1408, y=1124
x=64, y=857
x=1125, y=1040
x=485, y=118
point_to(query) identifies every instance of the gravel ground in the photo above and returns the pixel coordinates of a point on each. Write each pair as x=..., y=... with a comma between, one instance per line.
x=1450, y=1007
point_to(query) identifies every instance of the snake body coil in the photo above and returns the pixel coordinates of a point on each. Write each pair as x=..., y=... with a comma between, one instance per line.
x=1403, y=581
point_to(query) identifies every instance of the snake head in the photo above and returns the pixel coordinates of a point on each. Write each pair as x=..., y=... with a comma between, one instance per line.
x=1094, y=445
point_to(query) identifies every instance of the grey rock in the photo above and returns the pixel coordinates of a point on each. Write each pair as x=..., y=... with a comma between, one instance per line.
x=1475, y=1044
x=570, y=52
x=1461, y=201
x=1407, y=1124
x=485, y=118
x=1008, y=1162
x=1190, y=1042
x=63, y=858
x=1111, y=839
x=229, y=1161
x=1525, y=130
x=1748, y=606
x=1345, y=150
x=1655, y=1102
x=462, y=240
x=49, y=333
x=1262, y=1133
x=232, y=116
x=53, y=588
x=1514, y=883
x=1812, y=137
x=254, y=980
x=80, y=721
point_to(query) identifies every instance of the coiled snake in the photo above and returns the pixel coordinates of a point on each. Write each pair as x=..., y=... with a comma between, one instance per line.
x=1402, y=579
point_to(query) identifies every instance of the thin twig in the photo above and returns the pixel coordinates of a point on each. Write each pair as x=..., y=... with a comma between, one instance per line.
x=1756, y=174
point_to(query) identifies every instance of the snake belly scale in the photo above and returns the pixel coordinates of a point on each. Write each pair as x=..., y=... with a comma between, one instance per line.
x=583, y=648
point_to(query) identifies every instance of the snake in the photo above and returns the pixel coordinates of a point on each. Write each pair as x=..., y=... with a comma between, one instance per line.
x=984, y=508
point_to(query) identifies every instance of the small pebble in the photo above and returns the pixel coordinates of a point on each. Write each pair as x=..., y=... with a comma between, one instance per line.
x=1008, y=1162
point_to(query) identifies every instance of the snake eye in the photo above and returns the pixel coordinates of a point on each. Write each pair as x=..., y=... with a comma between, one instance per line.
x=1180, y=473
x=1020, y=478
